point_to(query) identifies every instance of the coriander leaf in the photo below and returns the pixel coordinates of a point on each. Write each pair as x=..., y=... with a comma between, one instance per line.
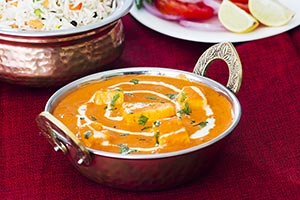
x=87, y=134
x=186, y=110
x=201, y=124
x=134, y=81
x=139, y=4
x=114, y=99
x=143, y=120
x=145, y=128
x=129, y=94
x=183, y=97
x=156, y=135
x=125, y=150
x=171, y=96
x=151, y=98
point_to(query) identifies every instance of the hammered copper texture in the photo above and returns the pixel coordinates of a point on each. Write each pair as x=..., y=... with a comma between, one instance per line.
x=151, y=174
x=125, y=173
x=58, y=60
x=131, y=174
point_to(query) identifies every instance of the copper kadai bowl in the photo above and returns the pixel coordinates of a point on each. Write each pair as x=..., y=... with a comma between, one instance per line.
x=57, y=57
x=146, y=172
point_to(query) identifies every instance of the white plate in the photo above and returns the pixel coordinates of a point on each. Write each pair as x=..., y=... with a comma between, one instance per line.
x=177, y=31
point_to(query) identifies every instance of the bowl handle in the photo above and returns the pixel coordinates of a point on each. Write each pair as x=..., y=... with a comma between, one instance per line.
x=61, y=138
x=226, y=52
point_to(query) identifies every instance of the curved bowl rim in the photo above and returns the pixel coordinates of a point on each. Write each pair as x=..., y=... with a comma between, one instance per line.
x=152, y=71
x=122, y=10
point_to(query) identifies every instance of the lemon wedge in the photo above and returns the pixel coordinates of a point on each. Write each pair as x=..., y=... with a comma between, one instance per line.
x=235, y=19
x=270, y=12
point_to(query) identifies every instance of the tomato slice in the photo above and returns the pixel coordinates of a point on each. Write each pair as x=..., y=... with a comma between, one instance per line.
x=240, y=1
x=185, y=10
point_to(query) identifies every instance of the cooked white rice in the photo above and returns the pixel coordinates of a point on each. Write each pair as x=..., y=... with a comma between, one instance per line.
x=49, y=15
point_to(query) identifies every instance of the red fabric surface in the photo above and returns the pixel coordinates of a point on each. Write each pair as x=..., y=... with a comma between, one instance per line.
x=260, y=161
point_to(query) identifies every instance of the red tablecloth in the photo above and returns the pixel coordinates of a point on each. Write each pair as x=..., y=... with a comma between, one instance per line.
x=261, y=161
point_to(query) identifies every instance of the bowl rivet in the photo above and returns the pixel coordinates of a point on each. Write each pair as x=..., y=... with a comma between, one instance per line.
x=56, y=148
x=80, y=161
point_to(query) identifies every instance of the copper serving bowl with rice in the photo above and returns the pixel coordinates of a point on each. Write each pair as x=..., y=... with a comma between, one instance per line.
x=46, y=43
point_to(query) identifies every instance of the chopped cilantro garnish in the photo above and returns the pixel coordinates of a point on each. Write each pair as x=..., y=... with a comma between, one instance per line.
x=139, y=3
x=130, y=94
x=87, y=134
x=186, y=110
x=134, y=81
x=124, y=149
x=143, y=120
x=151, y=98
x=201, y=124
x=114, y=99
x=156, y=135
x=171, y=96
x=183, y=97
x=145, y=128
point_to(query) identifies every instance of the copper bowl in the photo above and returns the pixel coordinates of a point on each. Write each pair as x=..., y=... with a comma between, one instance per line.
x=152, y=171
x=49, y=58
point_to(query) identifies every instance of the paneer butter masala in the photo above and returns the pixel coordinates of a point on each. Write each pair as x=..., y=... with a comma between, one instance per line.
x=144, y=114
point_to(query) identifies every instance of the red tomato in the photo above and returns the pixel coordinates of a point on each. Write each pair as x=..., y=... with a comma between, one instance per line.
x=186, y=10
x=240, y=1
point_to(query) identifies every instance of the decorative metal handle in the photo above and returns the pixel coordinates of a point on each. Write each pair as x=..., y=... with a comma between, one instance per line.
x=62, y=138
x=226, y=52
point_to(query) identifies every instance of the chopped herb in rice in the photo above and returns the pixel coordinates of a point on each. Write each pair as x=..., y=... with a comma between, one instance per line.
x=49, y=15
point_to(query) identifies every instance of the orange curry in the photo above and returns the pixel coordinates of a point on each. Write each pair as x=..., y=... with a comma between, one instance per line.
x=144, y=114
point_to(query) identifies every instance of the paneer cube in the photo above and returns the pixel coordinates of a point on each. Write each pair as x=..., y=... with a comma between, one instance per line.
x=191, y=96
x=111, y=97
x=142, y=113
x=170, y=132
